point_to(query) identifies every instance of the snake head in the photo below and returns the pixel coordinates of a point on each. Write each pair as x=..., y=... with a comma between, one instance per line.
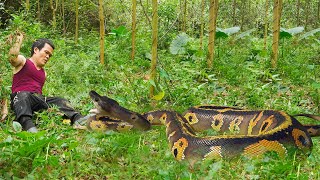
x=104, y=105
x=108, y=107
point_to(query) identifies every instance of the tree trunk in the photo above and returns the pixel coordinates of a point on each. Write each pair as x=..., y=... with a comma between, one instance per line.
x=180, y=15
x=27, y=5
x=63, y=19
x=154, y=54
x=76, y=34
x=134, y=12
x=183, y=15
x=243, y=13
x=145, y=12
x=276, y=31
x=202, y=24
x=184, y=25
x=213, y=12
x=102, y=30
x=318, y=15
x=38, y=12
x=298, y=12
x=234, y=6
x=307, y=12
x=54, y=9
x=266, y=25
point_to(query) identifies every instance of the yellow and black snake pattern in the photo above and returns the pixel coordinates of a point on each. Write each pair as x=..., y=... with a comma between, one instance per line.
x=241, y=132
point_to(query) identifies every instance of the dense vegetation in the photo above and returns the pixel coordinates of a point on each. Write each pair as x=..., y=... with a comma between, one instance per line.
x=241, y=76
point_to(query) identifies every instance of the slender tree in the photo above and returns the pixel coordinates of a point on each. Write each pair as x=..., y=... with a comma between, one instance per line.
x=154, y=52
x=145, y=12
x=27, y=5
x=243, y=13
x=318, y=14
x=38, y=12
x=76, y=34
x=133, y=38
x=266, y=25
x=63, y=18
x=234, y=6
x=213, y=12
x=307, y=12
x=276, y=31
x=202, y=23
x=102, y=31
x=184, y=21
x=298, y=12
x=183, y=15
x=54, y=8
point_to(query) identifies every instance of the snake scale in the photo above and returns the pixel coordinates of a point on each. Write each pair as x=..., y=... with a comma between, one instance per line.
x=250, y=133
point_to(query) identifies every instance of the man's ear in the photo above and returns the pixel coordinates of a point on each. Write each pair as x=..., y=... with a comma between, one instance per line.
x=35, y=50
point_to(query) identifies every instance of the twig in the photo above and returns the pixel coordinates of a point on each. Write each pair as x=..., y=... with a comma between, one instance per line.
x=4, y=109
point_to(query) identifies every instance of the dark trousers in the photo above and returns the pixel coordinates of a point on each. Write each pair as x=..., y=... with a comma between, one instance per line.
x=24, y=104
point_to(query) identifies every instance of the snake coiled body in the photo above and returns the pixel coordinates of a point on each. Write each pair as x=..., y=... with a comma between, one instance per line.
x=249, y=132
x=185, y=144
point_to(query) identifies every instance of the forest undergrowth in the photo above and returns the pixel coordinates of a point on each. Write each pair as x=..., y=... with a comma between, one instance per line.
x=241, y=77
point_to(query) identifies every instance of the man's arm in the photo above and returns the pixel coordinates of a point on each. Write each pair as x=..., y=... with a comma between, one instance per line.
x=15, y=59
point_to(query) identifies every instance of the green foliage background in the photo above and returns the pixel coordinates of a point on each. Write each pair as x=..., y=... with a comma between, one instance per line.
x=241, y=76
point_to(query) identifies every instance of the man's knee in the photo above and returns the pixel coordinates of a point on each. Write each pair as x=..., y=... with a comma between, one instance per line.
x=60, y=102
x=20, y=104
x=19, y=96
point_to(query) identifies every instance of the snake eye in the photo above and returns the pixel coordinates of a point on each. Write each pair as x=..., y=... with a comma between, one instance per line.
x=134, y=117
x=175, y=152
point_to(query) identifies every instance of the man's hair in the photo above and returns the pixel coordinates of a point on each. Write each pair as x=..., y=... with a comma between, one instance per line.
x=40, y=44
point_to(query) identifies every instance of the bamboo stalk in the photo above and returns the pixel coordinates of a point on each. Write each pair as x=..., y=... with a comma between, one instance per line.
x=154, y=44
x=101, y=20
x=213, y=11
x=266, y=25
x=133, y=37
x=77, y=22
x=276, y=32
x=202, y=24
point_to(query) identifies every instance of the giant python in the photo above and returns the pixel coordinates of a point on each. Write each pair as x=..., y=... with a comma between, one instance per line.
x=253, y=132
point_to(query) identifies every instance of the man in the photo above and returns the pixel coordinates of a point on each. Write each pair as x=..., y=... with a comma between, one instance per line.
x=28, y=80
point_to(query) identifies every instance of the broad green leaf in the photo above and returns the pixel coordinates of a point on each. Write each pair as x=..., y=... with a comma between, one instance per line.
x=152, y=83
x=221, y=34
x=316, y=85
x=148, y=55
x=311, y=66
x=163, y=74
x=295, y=30
x=284, y=33
x=177, y=46
x=310, y=33
x=120, y=31
x=158, y=96
x=9, y=139
x=231, y=30
x=246, y=33
x=16, y=126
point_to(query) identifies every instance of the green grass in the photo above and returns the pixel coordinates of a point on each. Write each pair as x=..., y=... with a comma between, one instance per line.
x=240, y=77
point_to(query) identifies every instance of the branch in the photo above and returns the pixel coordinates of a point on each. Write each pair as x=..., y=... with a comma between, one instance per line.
x=145, y=13
x=4, y=109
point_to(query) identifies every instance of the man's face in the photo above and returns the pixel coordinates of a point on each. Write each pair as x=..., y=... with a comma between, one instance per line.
x=42, y=56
